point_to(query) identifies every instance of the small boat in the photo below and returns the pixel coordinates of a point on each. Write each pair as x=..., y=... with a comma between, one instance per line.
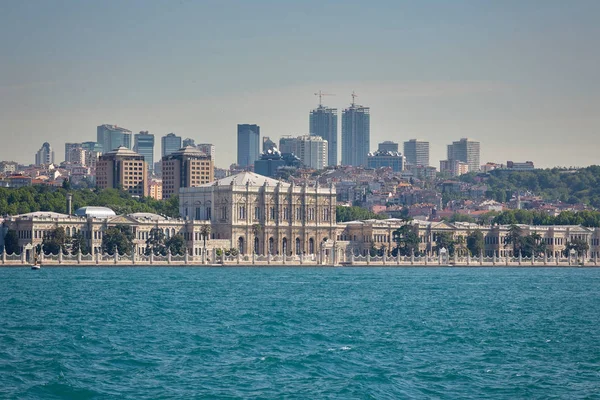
x=36, y=263
x=36, y=266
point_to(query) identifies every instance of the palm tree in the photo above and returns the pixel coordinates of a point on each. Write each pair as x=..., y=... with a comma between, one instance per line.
x=205, y=231
x=514, y=237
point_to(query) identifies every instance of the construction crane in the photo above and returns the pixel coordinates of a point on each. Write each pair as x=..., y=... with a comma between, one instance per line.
x=354, y=96
x=321, y=94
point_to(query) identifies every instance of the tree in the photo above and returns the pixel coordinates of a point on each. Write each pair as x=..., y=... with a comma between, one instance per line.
x=55, y=242
x=407, y=241
x=155, y=243
x=117, y=238
x=445, y=240
x=345, y=214
x=11, y=242
x=205, y=231
x=475, y=242
x=176, y=244
x=514, y=237
x=579, y=245
x=79, y=244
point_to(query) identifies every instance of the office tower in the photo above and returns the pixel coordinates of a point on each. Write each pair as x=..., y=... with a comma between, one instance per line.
x=69, y=149
x=248, y=144
x=356, y=133
x=287, y=144
x=467, y=151
x=323, y=123
x=208, y=149
x=417, y=152
x=268, y=144
x=391, y=159
x=170, y=143
x=388, y=146
x=45, y=155
x=188, y=142
x=187, y=167
x=144, y=145
x=111, y=137
x=312, y=151
x=123, y=168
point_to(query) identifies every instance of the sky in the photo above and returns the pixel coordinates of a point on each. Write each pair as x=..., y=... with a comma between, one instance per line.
x=520, y=76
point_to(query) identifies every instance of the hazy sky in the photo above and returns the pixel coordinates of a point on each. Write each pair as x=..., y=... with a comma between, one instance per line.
x=522, y=77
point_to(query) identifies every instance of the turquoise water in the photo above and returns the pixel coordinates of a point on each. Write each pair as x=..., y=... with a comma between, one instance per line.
x=454, y=333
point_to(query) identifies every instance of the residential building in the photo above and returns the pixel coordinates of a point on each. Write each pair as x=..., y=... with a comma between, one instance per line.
x=248, y=144
x=123, y=168
x=144, y=145
x=293, y=219
x=45, y=155
x=520, y=166
x=208, y=149
x=69, y=148
x=417, y=152
x=8, y=167
x=155, y=189
x=356, y=134
x=111, y=137
x=386, y=159
x=287, y=144
x=186, y=167
x=454, y=167
x=312, y=151
x=170, y=143
x=388, y=145
x=323, y=122
x=467, y=151
x=77, y=155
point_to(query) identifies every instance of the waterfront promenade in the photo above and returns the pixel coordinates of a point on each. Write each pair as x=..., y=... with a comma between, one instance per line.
x=321, y=259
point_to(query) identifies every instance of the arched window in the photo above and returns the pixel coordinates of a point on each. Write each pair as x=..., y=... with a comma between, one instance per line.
x=298, y=248
x=271, y=245
x=241, y=245
x=256, y=245
x=311, y=246
x=284, y=246
x=68, y=231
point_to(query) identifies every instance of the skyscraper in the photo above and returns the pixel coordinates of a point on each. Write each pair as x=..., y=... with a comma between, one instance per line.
x=417, y=152
x=323, y=123
x=356, y=134
x=170, y=143
x=111, y=137
x=45, y=155
x=267, y=144
x=144, y=145
x=467, y=151
x=248, y=144
x=312, y=151
x=69, y=147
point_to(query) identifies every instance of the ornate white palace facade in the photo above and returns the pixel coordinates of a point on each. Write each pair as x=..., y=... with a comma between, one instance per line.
x=262, y=215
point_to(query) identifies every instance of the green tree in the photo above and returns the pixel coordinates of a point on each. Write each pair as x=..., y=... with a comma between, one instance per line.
x=11, y=242
x=579, y=245
x=445, y=240
x=205, y=232
x=475, y=242
x=79, y=243
x=155, y=243
x=176, y=244
x=117, y=238
x=407, y=241
x=55, y=242
x=345, y=214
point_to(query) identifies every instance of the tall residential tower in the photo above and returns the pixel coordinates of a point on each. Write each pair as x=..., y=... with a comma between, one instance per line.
x=356, y=134
x=323, y=123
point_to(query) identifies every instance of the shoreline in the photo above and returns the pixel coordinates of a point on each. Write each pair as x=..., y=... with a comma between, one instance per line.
x=287, y=265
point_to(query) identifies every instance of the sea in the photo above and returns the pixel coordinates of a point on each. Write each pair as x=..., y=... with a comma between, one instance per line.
x=299, y=333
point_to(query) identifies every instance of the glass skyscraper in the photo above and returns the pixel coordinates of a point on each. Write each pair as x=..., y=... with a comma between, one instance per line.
x=144, y=145
x=170, y=144
x=323, y=122
x=356, y=135
x=248, y=144
x=111, y=137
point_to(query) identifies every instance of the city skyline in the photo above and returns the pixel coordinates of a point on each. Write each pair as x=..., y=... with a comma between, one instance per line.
x=425, y=71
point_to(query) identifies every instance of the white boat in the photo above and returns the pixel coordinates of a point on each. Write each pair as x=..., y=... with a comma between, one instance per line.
x=36, y=266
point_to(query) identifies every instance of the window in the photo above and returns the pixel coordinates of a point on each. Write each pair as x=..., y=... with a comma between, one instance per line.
x=256, y=212
x=198, y=210
x=272, y=210
x=242, y=212
x=298, y=213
